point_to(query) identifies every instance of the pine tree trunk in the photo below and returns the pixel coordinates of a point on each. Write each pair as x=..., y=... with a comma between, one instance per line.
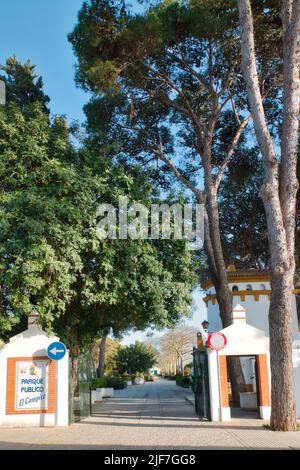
x=283, y=414
x=101, y=363
x=279, y=196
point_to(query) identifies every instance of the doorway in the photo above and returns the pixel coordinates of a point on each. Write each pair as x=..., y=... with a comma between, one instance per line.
x=249, y=397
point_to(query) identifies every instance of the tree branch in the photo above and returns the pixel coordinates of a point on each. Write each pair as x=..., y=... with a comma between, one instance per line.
x=230, y=152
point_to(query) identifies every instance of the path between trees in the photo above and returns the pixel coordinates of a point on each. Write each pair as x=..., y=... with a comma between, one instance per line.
x=151, y=416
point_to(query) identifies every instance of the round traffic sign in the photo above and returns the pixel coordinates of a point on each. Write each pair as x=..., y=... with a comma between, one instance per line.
x=56, y=351
x=217, y=341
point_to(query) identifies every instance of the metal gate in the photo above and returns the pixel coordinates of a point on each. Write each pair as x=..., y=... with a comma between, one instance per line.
x=80, y=403
x=201, y=383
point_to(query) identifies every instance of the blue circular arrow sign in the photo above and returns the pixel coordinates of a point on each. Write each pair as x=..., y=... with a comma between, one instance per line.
x=56, y=351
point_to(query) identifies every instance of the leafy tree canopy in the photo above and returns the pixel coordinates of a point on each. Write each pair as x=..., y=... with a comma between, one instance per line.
x=52, y=260
x=136, y=358
x=158, y=77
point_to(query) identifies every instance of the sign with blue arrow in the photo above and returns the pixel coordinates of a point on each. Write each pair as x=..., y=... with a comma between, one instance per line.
x=56, y=351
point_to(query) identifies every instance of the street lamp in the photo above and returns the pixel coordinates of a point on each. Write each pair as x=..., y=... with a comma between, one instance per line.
x=205, y=325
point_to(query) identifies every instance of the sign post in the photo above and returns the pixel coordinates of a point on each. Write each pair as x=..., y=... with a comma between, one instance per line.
x=217, y=341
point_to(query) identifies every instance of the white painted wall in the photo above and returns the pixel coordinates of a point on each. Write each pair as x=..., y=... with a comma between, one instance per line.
x=257, y=311
x=30, y=343
x=242, y=340
x=248, y=367
x=296, y=363
x=213, y=316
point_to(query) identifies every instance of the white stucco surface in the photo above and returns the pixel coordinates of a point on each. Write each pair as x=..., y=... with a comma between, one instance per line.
x=296, y=364
x=242, y=340
x=257, y=310
x=32, y=343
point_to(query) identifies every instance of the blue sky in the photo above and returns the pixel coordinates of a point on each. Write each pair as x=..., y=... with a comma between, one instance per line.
x=37, y=30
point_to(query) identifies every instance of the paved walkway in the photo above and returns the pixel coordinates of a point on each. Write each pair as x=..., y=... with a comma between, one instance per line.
x=151, y=416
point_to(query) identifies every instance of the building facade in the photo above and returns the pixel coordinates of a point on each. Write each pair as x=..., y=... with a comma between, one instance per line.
x=251, y=289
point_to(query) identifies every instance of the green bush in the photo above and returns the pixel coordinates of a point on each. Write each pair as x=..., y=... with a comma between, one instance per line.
x=117, y=383
x=127, y=377
x=108, y=382
x=183, y=381
x=99, y=382
x=148, y=378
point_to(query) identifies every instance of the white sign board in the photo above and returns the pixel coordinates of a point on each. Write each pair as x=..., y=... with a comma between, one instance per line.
x=32, y=383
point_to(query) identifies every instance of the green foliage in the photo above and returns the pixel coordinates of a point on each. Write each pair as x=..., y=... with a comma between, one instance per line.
x=111, y=349
x=148, y=378
x=108, y=382
x=136, y=358
x=99, y=382
x=243, y=220
x=43, y=207
x=51, y=259
x=23, y=86
x=147, y=72
x=183, y=381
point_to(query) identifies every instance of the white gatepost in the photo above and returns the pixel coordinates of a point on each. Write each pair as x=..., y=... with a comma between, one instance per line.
x=214, y=387
x=62, y=392
x=242, y=340
x=34, y=388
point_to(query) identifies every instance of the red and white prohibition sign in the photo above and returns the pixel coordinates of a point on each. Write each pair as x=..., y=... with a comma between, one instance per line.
x=216, y=341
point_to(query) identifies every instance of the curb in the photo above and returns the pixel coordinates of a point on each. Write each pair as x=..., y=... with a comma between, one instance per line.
x=191, y=401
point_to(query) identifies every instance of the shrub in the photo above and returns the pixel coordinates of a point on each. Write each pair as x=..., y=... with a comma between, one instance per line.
x=183, y=381
x=148, y=378
x=99, y=382
x=108, y=382
x=117, y=383
x=127, y=377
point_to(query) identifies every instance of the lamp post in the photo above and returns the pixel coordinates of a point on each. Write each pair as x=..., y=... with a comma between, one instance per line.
x=199, y=340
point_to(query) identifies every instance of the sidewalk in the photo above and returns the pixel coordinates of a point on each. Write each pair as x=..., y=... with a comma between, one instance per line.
x=151, y=416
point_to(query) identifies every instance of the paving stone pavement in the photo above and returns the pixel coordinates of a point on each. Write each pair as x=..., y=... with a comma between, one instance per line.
x=151, y=416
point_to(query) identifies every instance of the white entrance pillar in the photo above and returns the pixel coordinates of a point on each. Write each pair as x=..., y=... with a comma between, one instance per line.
x=34, y=388
x=242, y=340
x=214, y=385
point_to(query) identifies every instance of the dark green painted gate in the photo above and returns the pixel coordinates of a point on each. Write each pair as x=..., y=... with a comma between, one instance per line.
x=80, y=403
x=201, y=383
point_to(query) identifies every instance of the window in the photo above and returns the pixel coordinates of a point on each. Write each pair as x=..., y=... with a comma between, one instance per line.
x=248, y=287
x=235, y=288
x=263, y=287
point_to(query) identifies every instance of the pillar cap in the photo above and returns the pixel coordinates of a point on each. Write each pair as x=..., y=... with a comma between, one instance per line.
x=239, y=314
x=33, y=319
